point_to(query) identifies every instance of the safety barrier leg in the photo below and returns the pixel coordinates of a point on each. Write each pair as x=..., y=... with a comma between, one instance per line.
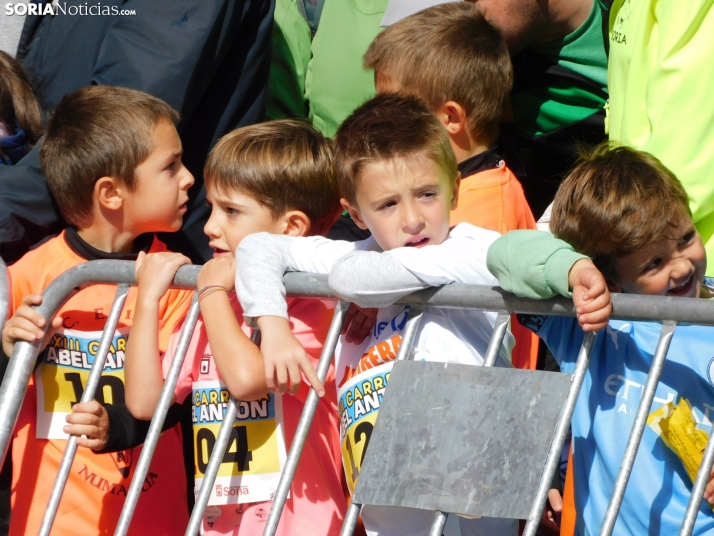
x=561, y=432
x=405, y=349
x=303, y=427
x=87, y=396
x=216, y=458
x=437, y=526
x=162, y=408
x=638, y=427
x=695, y=499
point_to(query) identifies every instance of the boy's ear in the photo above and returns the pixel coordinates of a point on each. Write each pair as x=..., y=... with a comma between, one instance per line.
x=295, y=223
x=453, y=116
x=109, y=193
x=455, y=192
x=354, y=213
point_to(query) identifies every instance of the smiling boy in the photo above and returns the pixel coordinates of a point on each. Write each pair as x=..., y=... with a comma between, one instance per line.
x=112, y=158
x=398, y=178
x=630, y=215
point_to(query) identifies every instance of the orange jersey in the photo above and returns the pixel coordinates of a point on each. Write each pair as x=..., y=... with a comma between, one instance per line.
x=97, y=483
x=492, y=198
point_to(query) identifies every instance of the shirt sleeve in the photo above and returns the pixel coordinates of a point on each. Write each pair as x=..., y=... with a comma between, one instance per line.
x=262, y=259
x=127, y=432
x=532, y=264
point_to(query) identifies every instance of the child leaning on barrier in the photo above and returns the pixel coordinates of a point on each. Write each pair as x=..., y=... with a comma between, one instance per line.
x=398, y=178
x=629, y=214
x=458, y=64
x=277, y=177
x=112, y=158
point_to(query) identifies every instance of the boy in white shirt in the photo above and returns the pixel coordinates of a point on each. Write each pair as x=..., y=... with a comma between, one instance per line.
x=398, y=178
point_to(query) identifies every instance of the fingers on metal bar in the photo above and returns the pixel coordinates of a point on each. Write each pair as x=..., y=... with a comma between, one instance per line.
x=561, y=431
x=87, y=395
x=306, y=417
x=494, y=345
x=162, y=408
x=633, y=442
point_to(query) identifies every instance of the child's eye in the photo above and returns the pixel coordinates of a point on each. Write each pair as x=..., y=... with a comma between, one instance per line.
x=654, y=264
x=232, y=211
x=428, y=195
x=688, y=237
x=388, y=204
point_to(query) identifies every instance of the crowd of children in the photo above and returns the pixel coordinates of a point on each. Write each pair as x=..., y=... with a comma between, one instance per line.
x=417, y=167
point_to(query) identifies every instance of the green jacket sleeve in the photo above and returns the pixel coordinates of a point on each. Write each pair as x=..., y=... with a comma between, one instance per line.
x=532, y=264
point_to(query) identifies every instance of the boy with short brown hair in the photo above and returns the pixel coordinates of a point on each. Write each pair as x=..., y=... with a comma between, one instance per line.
x=458, y=64
x=631, y=215
x=276, y=177
x=112, y=158
x=400, y=181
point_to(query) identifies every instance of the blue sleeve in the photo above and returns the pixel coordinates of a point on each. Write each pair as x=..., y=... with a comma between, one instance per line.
x=562, y=334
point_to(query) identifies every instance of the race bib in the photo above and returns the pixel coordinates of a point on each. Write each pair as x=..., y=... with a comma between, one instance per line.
x=63, y=374
x=255, y=455
x=359, y=401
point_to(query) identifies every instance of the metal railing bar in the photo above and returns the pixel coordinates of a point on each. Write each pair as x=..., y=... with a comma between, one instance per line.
x=4, y=293
x=561, y=432
x=303, y=426
x=157, y=422
x=215, y=460
x=437, y=526
x=87, y=395
x=638, y=427
x=695, y=499
x=499, y=333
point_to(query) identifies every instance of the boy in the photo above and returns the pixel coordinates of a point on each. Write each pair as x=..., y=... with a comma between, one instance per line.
x=112, y=158
x=457, y=63
x=277, y=177
x=630, y=215
x=398, y=178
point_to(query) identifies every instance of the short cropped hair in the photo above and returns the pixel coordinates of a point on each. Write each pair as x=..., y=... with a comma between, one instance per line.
x=448, y=52
x=284, y=165
x=388, y=127
x=95, y=132
x=615, y=202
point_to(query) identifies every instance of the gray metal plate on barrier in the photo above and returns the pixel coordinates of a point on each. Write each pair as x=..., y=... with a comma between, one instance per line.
x=463, y=439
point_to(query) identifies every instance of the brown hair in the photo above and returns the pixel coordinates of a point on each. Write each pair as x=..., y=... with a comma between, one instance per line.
x=388, y=127
x=615, y=202
x=98, y=131
x=284, y=165
x=17, y=100
x=448, y=52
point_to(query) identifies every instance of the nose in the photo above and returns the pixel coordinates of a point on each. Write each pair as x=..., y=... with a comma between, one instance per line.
x=412, y=218
x=211, y=229
x=682, y=269
x=187, y=179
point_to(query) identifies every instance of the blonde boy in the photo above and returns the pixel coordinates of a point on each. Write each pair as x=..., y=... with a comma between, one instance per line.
x=112, y=159
x=398, y=178
x=277, y=177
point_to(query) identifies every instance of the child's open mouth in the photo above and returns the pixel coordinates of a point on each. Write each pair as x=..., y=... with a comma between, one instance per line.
x=417, y=242
x=682, y=290
x=218, y=252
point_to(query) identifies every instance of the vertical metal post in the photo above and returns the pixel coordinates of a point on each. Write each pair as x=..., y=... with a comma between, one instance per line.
x=638, y=427
x=214, y=462
x=405, y=349
x=4, y=293
x=695, y=499
x=437, y=526
x=303, y=426
x=87, y=396
x=561, y=432
x=162, y=408
x=494, y=345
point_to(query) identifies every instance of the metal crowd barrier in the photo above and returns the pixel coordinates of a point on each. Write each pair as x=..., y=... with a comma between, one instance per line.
x=626, y=307
x=4, y=293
